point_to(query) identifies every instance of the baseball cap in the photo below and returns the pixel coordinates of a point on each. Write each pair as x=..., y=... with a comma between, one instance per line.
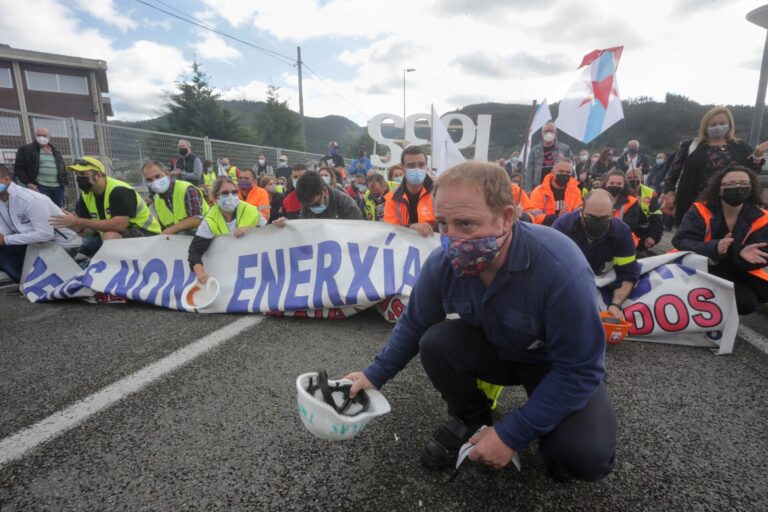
x=87, y=163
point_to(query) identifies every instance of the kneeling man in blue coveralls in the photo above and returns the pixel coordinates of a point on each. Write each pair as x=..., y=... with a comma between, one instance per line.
x=525, y=296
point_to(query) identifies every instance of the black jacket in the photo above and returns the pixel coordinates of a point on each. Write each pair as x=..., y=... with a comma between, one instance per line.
x=642, y=163
x=27, y=164
x=690, y=236
x=689, y=174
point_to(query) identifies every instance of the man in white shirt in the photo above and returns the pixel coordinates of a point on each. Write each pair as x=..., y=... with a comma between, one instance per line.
x=24, y=216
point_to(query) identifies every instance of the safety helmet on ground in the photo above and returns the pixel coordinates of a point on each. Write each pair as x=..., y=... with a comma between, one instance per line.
x=615, y=330
x=328, y=412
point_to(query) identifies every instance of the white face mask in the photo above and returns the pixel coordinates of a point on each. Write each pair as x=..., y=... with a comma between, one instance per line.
x=548, y=136
x=261, y=161
x=161, y=185
x=42, y=140
x=228, y=203
x=583, y=158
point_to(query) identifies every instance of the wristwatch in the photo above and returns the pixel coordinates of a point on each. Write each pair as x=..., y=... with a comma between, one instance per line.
x=615, y=305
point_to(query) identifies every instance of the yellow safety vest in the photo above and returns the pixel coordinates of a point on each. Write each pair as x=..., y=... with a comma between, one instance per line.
x=209, y=178
x=247, y=215
x=233, y=173
x=646, y=197
x=370, y=206
x=167, y=217
x=143, y=217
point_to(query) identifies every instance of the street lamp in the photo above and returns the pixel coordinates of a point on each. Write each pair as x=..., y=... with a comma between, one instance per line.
x=759, y=17
x=407, y=70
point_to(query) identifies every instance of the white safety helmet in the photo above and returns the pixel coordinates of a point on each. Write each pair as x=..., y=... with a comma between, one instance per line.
x=327, y=411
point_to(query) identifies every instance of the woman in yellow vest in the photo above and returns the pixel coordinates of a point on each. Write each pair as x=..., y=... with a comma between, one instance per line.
x=178, y=204
x=229, y=216
x=107, y=206
x=731, y=229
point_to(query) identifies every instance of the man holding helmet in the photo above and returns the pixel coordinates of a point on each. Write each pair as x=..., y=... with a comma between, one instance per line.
x=512, y=285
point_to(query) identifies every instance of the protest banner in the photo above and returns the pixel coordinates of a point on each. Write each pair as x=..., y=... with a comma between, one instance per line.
x=319, y=269
x=677, y=302
x=308, y=268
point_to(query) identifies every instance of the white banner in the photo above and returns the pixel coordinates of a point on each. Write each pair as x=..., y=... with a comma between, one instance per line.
x=335, y=269
x=677, y=302
x=308, y=268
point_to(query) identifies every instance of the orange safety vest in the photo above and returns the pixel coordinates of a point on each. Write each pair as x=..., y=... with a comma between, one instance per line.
x=396, y=212
x=519, y=197
x=259, y=198
x=760, y=223
x=542, y=201
x=619, y=214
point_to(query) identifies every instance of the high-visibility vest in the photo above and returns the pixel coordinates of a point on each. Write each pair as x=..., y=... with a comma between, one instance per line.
x=247, y=216
x=758, y=224
x=209, y=178
x=543, y=203
x=167, y=217
x=143, y=217
x=646, y=198
x=233, y=173
x=396, y=212
x=619, y=214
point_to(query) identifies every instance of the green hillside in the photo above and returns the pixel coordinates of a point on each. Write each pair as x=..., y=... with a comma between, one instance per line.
x=659, y=126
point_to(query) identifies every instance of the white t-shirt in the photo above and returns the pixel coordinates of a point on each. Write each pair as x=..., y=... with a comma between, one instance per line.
x=203, y=231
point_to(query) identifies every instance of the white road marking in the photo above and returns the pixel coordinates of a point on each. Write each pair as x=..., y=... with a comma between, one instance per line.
x=755, y=338
x=18, y=444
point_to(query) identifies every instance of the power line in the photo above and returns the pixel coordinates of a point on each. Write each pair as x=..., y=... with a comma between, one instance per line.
x=334, y=92
x=284, y=59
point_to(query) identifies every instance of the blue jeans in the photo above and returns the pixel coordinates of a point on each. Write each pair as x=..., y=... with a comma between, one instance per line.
x=12, y=260
x=55, y=193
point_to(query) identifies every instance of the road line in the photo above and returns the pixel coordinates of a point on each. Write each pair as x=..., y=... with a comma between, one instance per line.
x=755, y=338
x=18, y=444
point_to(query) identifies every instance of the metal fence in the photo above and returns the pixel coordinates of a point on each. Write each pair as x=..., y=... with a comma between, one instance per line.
x=123, y=150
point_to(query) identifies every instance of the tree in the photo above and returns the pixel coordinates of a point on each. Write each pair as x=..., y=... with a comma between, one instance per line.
x=277, y=125
x=195, y=110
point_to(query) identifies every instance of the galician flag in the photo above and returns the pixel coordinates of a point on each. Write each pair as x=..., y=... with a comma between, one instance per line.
x=445, y=154
x=592, y=104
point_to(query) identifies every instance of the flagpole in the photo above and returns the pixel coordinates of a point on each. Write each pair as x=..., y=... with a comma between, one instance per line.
x=432, y=134
x=527, y=133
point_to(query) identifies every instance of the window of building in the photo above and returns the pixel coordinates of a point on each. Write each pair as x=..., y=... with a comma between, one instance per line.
x=85, y=129
x=5, y=78
x=57, y=127
x=10, y=126
x=54, y=82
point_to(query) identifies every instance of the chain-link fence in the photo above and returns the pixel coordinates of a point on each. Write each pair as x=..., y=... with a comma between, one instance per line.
x=123, y=150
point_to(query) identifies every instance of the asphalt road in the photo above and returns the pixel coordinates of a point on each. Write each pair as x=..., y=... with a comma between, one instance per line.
x=223, y=432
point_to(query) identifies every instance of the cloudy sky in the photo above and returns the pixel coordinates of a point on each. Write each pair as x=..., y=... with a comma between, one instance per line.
x=464, y=51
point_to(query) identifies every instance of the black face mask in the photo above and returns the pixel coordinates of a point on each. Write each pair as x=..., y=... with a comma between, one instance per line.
x=633, y=151
x=614, y=191
x=736, y=196
x=634, y=183
x=562, y=179
x=183, y=151
x=596, y=227
x=84, y=183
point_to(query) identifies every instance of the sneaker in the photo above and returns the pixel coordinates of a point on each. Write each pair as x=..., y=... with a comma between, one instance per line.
x=442, y=449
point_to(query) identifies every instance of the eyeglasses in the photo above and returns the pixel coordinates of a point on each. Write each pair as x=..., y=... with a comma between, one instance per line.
x=227, y=193
x=735, y=184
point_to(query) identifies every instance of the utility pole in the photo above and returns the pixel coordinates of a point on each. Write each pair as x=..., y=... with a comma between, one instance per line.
x=301, y=98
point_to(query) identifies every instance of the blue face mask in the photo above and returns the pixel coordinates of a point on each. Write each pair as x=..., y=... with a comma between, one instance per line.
x=161, y=186
x=317, y=210
x=659, y=161
x=326, y=180
x=399, y=179
x=415, y=176
x=3, y=187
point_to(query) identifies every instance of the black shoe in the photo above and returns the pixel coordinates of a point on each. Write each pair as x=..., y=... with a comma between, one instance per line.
x=442, y=449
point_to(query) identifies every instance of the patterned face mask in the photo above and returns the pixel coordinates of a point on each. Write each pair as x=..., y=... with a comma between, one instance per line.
x=470, y=256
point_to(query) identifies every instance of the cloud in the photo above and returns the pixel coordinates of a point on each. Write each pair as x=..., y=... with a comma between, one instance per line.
x=141, y=76
x=236, y=12
x=520, y=64
x=159, y=24
x=255, y=90
x=489, y=8
x=211, y=47
x=105, y=11
x=461, y=100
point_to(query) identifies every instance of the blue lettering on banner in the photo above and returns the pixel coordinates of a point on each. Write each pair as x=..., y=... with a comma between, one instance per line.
x=180, y=279
x=389, y=272
x=153, y=266
x=325, y=274
x=121, y=282
x=245, y=262
x=274, y=281
x=298, y=277
x=40, y=288
x=362, y=274
x=664, y=272
x=642, y=287
x=411, y=269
